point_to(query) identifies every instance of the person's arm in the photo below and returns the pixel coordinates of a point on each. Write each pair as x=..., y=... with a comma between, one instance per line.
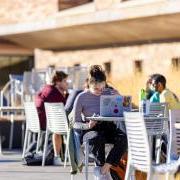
x=70, y=101
x=77, y=111
x=166, y=98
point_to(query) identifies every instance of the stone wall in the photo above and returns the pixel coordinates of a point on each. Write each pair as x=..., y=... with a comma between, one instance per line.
x=156, y=58
x=14, y=11
x=104, y=4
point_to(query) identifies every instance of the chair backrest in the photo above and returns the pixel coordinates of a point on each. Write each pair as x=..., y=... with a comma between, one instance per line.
x=154, y=126
x=32, y=119
x=139, y=154
x=158, y=109
x=174, y=142
x=157, y=126
x=56, y=118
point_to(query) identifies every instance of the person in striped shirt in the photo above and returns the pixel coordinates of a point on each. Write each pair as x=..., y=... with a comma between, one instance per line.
x=88, y=103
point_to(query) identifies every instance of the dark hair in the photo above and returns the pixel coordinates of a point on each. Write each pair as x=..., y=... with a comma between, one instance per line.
x=96, y=74
x=58, y=76
x=152, y=76
x=86, y=83
x=160, y=79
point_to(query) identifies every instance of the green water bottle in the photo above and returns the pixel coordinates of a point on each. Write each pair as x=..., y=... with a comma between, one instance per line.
x=142, y=101
x=142, y=95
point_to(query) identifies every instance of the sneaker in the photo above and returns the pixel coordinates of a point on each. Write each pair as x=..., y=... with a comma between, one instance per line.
x=57, y=161
x=100, y=176
x=97, y=171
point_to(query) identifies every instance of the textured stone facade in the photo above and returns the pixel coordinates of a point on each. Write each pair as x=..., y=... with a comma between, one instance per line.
x=26, y=10
x=155, y=58
x=104, y=4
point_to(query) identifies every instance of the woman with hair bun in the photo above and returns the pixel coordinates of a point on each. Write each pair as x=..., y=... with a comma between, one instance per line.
x=88, y=103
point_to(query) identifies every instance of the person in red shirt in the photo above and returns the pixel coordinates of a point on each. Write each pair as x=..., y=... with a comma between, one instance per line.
x=56, y=92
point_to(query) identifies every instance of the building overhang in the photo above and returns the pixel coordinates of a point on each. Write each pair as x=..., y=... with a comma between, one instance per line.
x=8, y=48
x=120, y=24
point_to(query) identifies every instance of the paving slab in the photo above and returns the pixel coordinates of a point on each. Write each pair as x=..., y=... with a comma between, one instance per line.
x=11, y=168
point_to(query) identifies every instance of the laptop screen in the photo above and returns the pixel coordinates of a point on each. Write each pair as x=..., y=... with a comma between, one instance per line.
x=127, y=103
x=111, y=105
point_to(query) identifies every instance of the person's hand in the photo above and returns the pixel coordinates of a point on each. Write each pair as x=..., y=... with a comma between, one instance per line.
x=92, y=124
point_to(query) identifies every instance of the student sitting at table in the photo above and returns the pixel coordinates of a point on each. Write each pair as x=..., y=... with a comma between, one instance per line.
x=165, y=95
x=87, y=103
x=56, y=92
x=151, y=94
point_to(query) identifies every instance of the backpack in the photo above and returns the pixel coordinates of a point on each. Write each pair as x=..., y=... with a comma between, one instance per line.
x=32, y=158
x=118, y=172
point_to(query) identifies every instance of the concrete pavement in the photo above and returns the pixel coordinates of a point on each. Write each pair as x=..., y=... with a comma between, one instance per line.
x=11, y=168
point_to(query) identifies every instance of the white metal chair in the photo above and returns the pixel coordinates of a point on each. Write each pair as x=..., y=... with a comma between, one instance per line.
x=32, y=125
x=174, y=143
x=56, y=123
x=86, y=138
x=139, y=152
x=158, y=109
x=157, y=126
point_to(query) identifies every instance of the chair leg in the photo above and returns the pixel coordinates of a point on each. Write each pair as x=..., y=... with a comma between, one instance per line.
x=67, y=149
x=169, y=176
x=45, y=148
x=158, y=149
x=38, y=141
x=72, y=177
x=149, y=176
x=86, y=158
x=29, y=138
x=34, y=137
x=158, y=176
x=11, y=132
x=23, y=134
x=129, y=171
x=25, y=143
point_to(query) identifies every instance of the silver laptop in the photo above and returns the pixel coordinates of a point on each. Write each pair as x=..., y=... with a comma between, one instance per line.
x=111, y=105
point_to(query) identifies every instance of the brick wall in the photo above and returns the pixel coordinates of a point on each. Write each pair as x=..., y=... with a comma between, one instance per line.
x=155, y=58
x=13, y=11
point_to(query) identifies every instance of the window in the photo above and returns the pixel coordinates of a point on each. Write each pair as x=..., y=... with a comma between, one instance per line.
x=176, y=63
x=138, y=66
x=66, y=4
x=77, y=65
x=107, y=67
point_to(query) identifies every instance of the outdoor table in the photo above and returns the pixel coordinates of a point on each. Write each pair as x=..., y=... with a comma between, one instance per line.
x=150, y=130
x=11, y=110
x=121, y=119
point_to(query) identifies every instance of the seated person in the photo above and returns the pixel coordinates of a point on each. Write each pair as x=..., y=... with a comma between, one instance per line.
x=165, y=95
x=87, y=103
x=57, y=92
x=152, y=95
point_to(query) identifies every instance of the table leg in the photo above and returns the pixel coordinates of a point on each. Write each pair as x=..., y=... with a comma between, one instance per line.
x=11, y=131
